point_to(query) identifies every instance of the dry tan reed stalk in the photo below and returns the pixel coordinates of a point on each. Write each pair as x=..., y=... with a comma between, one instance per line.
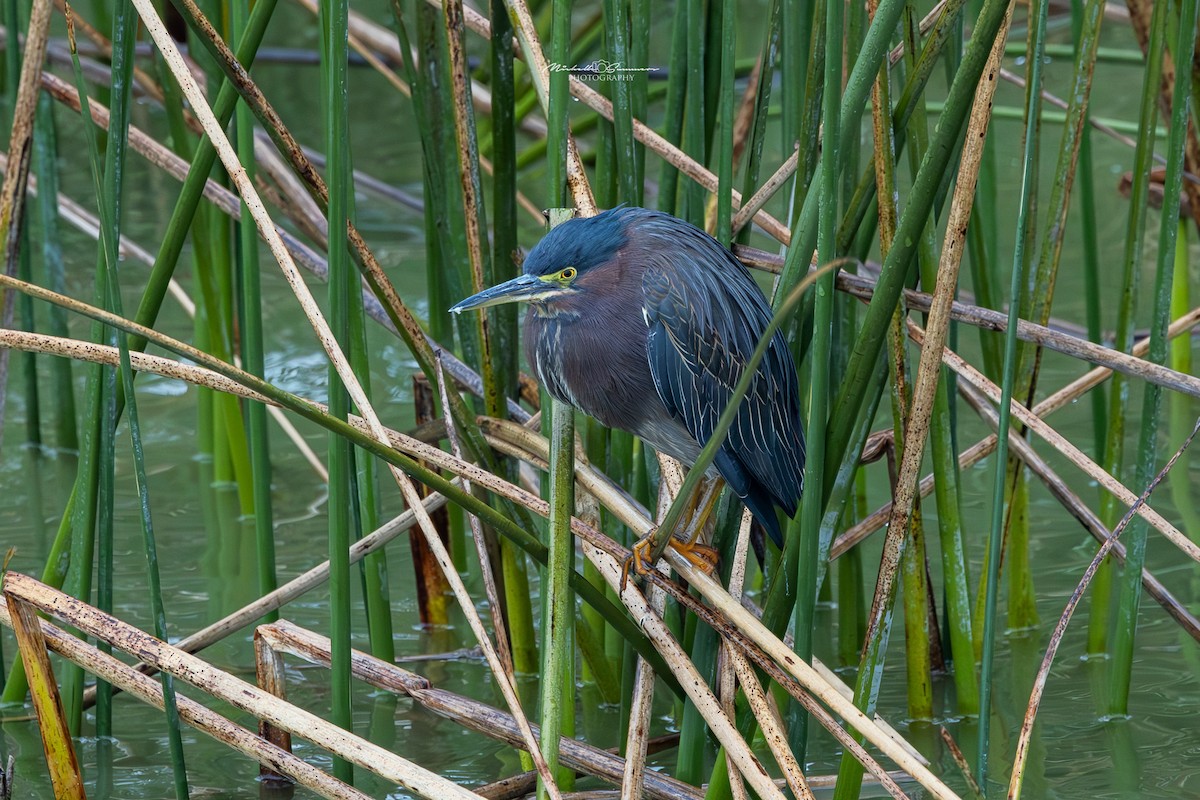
x=914, y=431
x=1076, y=346
x=148, y=690
x=726, y=674
x=985, y=447
x=525, y=444
x=752, y=628
x=929, y=368
x=1069, y=450
x=173, y=165
x=236, y=692
x=481, y=549
x=1077, y=508
x=480, y=97
x=689, y=678
x=1039, y=683
x=47, y=702
x=596, y=485
x=763, y=646
x=329, y=343
x=20, y=137
x=772, y=727
x=960, y=761
x=637, y=739
x=87, y=223
x=642, y=132
x=286, y=637
x=764, y=193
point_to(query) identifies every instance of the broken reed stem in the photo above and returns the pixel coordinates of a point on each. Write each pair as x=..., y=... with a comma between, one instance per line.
x=1043, y=673
x=1070, y=451
x=481, y=550
x=1077, y=508
x=985, y=447
x=236, y=692
x=329, y=343
x=632, y=515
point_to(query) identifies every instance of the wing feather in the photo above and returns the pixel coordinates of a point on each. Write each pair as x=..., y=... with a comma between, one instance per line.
x=701, y=335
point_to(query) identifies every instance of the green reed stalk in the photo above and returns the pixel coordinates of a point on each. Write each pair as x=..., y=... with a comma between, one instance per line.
x=866, y=352
x=343, y=281
x=913, y=559
x=504, y=340
x=852, y=614
x=559, y=101
x=604, y=161
x=616, y=36
x=668, y=182
x=251, y=323
x=1091, y=239
x=95, y=519
x=955, y=570
x=1036, y=302
x=43, y=166
x=1024, y=220
x=28, y=361
x=502, y=326
x=373, y=569
x=810, y=111
x=104, y=568
x=695, y=749
x=77, y=515
x=1179, y=420
x=768, y=59
x=851, y=156
x=558, y=657
x=918, y=663
x=821, y=353
x=639, y=93
x=727, y=112
x=1114, y=445
x=108, y=193
x=590, y=628
x=1135, y=537
x=796, y=34
x=870, y=661
x=694, y=134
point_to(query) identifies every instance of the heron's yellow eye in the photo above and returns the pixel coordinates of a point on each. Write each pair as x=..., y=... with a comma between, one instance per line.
x=568, y=274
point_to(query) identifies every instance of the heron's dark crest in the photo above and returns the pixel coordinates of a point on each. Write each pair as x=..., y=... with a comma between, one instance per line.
x=646, y=323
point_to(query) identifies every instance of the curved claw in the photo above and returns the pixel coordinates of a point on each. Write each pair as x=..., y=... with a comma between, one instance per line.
x=641, y=557
x=703, y=557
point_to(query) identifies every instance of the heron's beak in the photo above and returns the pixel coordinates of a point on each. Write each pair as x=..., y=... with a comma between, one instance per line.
x=526, y=288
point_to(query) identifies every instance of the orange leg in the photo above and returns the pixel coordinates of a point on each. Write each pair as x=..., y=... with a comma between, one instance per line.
x=688, y=545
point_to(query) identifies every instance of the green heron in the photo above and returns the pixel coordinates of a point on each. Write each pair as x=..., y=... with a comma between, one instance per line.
x=645, y=322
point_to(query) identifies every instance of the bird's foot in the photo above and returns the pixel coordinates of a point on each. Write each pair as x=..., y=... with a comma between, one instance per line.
x=641, y=556
x=640, y=559
x=703, y=557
